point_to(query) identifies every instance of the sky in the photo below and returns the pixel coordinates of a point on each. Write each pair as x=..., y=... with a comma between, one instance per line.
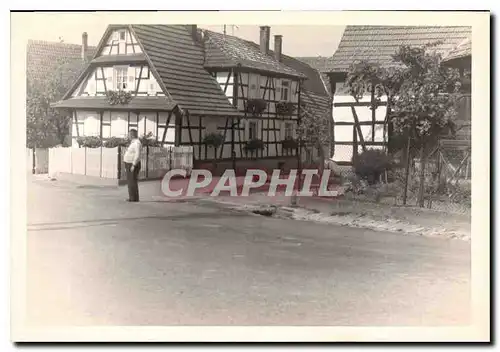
x=298, y=40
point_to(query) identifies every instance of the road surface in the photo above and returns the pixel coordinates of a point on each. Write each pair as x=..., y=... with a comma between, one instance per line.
x=94, y=259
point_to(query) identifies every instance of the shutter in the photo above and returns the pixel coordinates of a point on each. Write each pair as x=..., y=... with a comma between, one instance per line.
x=278, y=89
x=92, y=87
x=245, y=126
x=112, y=79
x=257, y=82
x=131, y=78
x=151, y=85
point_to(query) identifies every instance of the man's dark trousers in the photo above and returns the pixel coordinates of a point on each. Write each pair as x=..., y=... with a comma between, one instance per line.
x=133, y=187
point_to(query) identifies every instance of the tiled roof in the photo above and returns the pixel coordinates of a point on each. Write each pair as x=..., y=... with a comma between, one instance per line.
x=229, y=51
x=43, y=57
x=313, y=82
x=131, y=58
x=462, y=50
x=140, y=103
x=318, y=104
x=179, y=63
x=320, y=63
x=377, y=43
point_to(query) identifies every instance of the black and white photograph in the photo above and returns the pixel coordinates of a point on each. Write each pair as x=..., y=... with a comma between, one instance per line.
x=266, y=174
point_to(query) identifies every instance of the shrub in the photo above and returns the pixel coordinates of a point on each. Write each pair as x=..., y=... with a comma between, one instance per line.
x=150, y=140
x=213, y=139
x=89, y=142
x=460, y=192
x=115, y=142
x=371, y=164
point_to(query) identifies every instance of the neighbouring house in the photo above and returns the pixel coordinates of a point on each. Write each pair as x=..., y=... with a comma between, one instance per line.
x=181, y=84
x=457, y=150
x=363, y=122
x=44, y=58
x=460, y=57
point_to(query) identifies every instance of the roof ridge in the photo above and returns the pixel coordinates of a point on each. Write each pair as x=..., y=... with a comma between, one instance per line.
x=255, y=46
x=41, y=41
x=231, y=57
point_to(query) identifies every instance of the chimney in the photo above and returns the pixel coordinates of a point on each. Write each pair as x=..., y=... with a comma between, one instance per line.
x=265, y=32
x=85, y=46
x=194, y=32
x=278, y=42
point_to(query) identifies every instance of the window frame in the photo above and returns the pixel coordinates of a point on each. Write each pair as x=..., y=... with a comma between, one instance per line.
x=116, y=69
x=255, y=92
x=120, y=32
x=285, y=88
x=250, y=129
x=288, y=128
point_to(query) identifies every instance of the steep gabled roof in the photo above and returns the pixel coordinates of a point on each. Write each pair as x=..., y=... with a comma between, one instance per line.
x=178, y=60
x=229, y=51
x=314, y=81
x=319, y=104
x=377, y=43
x=43, y=57
x=320, y=63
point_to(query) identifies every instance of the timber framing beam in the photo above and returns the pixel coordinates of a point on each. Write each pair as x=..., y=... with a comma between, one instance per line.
x=358, y=128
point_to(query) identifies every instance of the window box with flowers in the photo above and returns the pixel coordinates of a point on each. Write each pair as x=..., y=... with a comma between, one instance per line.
x=118, y=97
x=254, y=145
x=285, y=108
x=289, y=144
x=255, y=107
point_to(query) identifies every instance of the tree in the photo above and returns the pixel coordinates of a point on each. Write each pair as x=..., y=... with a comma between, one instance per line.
x=314, y=131
x=421, y=104
x=46, y=126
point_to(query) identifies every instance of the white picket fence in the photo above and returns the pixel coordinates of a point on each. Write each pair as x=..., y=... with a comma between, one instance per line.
x=108, y=162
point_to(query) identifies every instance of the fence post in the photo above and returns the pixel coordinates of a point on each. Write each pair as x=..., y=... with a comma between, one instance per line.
x=170, y=158
x=85, y=162
x=100, y=164
x=147, y=161
x=119, y=162
x=407, y=169
x=33, y=163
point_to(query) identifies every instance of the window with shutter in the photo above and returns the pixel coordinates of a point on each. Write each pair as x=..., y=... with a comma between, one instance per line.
x=285, y=87
x=252, y=130
x=254, y=86
x=92, y=88
x=121, y=74
x=131, y=78
x=288, y=130
x=151, y=87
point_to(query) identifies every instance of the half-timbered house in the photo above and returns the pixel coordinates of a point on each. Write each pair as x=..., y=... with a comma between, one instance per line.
x=185, y=83
x=361, y=124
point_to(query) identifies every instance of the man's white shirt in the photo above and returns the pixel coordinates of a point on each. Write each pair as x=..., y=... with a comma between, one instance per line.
x=133, y=153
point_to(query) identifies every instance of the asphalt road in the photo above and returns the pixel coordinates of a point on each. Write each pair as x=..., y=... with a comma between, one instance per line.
x=94, y=259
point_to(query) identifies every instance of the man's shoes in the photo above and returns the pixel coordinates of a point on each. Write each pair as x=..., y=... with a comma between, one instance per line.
x=131, y=201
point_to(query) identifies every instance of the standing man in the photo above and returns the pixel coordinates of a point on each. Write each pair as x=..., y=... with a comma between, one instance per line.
x=132, y=159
